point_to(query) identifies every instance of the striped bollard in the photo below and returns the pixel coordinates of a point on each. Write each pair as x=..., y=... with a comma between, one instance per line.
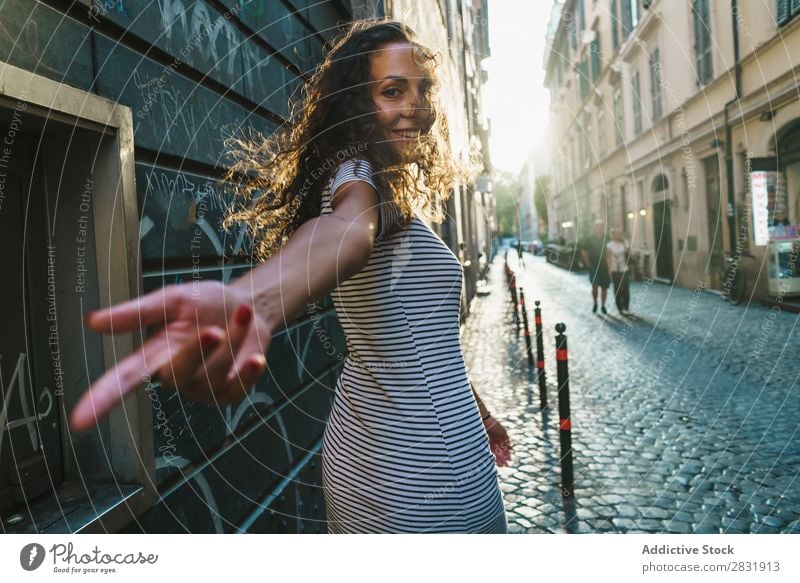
x=540, y=372
x=565, y=423
x=524, y=311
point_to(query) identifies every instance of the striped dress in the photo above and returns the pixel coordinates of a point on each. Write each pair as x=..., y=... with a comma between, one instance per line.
x=404, y=449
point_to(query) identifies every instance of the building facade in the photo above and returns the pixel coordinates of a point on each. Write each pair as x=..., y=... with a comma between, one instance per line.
x=677, y=121
x=527, y=217
x=459, y=31
x=114, y=116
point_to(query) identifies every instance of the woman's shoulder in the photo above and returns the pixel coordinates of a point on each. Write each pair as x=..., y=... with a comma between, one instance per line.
x=355, y=168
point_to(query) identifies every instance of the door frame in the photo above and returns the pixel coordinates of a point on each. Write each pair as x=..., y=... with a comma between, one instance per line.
x=116, y=228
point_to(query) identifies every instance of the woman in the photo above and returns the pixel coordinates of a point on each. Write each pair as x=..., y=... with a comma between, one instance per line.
x=331, y=202
x=617, y=251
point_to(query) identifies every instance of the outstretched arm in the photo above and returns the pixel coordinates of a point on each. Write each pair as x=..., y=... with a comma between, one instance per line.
x=213, y=337
x=321, y=254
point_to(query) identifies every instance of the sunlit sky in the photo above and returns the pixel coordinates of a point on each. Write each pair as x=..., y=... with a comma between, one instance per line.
x=514, y=98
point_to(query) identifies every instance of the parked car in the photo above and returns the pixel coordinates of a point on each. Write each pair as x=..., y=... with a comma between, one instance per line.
x=563, y=255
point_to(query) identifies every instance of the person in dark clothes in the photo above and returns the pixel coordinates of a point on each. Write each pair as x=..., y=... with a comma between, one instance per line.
x=593, y=255
x=618, y=251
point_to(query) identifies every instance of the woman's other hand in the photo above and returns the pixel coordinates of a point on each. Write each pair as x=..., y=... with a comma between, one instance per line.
x=499, y=442
x=210, y=345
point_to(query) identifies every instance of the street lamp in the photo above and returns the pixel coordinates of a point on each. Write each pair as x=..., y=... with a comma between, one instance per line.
x=643, y=214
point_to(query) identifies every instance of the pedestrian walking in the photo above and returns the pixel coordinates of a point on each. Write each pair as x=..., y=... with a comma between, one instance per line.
x=593, y=255
x=617, y=254
x=332, y=204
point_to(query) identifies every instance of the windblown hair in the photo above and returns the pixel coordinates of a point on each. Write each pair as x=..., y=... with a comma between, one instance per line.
x=279, y=179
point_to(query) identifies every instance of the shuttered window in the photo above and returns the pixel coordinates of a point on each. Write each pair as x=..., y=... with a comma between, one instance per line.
x=655, y=85
x=702, y=41
x=637, y=103
x=583, y=78
x=786, y=10
x=594, y=49
x=630, y=16
x=619, y=119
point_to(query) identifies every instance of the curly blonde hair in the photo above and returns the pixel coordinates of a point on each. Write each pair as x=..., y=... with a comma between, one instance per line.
x=278, y=179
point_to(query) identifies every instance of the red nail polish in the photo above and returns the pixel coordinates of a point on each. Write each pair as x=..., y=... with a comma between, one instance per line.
x=256, y=364
x=243, y=315
x=209, y=341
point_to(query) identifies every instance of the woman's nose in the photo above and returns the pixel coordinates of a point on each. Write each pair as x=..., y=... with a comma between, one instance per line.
x=415, y=100
x=411, y=106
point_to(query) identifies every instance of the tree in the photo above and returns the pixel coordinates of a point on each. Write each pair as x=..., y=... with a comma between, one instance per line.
x=506, y=188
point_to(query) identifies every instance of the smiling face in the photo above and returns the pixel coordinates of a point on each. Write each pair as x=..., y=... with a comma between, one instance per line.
x=399, y=89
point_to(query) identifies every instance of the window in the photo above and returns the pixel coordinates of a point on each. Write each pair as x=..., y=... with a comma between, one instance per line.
x=655, y=85
x=702, y=41
x=586, y=143
x=573, y=33
x=619, y=119
x=637, y=103
x=623, y=204
x=787, y=9
x=594, y=50
x=614, y=23
x=601, y=133
x=561, y=63
x=581, y=16
x=583, y=78
x=630, y=16
x=573, y=158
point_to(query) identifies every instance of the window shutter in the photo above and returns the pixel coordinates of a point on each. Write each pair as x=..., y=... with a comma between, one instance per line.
x=627, y=18
x=583, y=77
x=655, y=85
x=702, y=41
x=595, y=50
x=783, y=11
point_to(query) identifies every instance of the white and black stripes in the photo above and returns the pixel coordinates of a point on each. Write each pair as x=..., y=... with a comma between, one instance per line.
x=405, y=449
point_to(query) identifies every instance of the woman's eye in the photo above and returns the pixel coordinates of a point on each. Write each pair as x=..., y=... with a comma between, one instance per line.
x=392, y=92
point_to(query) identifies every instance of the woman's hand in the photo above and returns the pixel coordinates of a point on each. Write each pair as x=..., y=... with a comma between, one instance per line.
x=499, y=442
x=210, y=346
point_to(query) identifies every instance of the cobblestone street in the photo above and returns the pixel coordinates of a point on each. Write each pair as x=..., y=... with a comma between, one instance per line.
x=684, y=419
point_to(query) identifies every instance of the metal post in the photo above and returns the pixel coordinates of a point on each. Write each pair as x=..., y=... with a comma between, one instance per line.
x=512, y=285
x=540, y=372
x=565, y=423
x=524, y=311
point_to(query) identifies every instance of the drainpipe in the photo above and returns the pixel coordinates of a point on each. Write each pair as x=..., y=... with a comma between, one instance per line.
x=737, y=69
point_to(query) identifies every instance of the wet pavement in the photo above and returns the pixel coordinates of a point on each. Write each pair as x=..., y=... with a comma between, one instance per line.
x=685, y=418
